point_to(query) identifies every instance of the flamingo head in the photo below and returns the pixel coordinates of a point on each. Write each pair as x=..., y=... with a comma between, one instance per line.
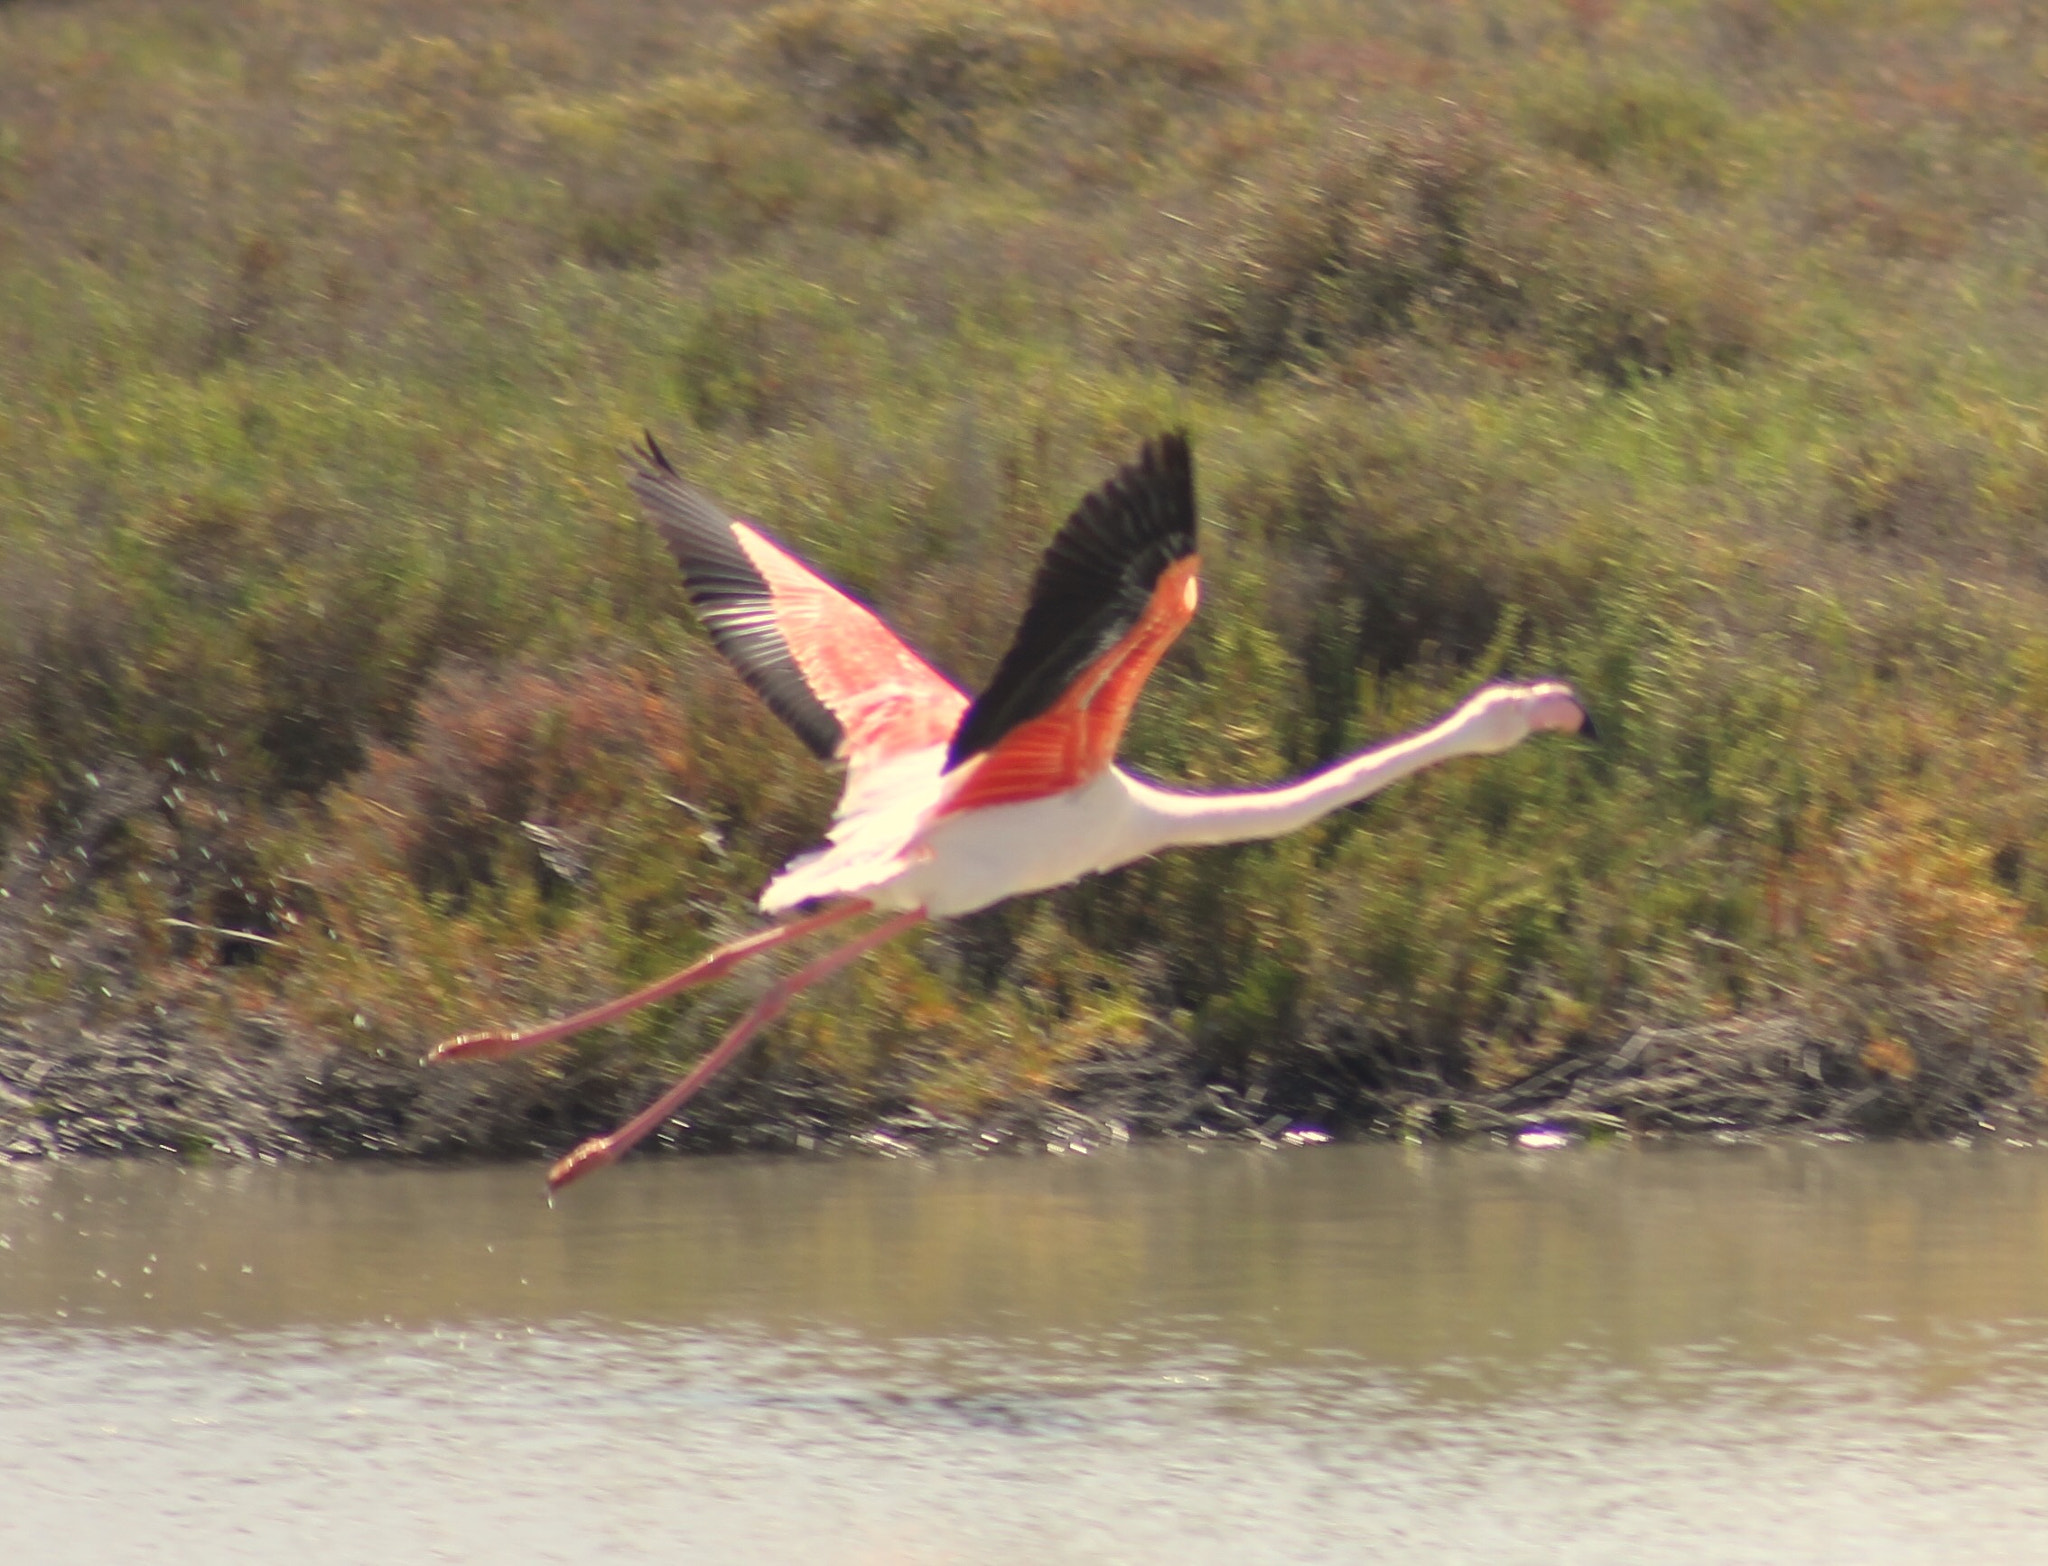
x=1502, y=716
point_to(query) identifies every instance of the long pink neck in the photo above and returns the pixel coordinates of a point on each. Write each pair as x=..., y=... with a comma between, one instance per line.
x=1188, y=820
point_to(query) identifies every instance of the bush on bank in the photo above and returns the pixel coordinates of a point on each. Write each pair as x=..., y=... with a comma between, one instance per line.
x=1690, y=352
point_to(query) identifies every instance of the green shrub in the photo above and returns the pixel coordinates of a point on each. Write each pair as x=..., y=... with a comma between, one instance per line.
x=1606, y=117
x=761, y=351
x=923, y=73
x=1682, y=352
x=1446, y=232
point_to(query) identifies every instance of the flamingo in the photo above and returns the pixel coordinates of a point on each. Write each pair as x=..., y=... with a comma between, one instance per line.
x=951, y=803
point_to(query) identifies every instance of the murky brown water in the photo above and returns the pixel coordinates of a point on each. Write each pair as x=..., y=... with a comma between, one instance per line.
x=1706, y=1354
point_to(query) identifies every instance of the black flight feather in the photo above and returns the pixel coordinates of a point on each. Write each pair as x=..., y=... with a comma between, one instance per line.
x=732, y=598
x=1094, y=584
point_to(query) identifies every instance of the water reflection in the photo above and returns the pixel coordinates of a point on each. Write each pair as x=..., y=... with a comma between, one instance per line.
x=1403, y=1256
x=1701, y=1353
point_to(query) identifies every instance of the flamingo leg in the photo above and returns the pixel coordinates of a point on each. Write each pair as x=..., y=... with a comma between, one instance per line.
x=602, y=1150
x=495, y=1046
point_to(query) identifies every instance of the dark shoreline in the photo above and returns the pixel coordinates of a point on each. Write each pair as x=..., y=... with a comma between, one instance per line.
x=268, y=1097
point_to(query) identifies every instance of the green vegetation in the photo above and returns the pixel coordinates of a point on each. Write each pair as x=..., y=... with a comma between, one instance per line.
x=1692, y=351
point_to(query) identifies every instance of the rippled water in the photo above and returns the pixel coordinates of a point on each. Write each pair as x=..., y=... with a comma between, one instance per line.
x=1787, y=1353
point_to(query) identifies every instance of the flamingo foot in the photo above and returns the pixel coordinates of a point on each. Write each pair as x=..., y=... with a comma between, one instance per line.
x=599, y=1151
x=473, y=1046
x=586, y=1157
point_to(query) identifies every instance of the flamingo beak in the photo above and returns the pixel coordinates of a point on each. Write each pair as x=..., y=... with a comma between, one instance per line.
x=1559, y=709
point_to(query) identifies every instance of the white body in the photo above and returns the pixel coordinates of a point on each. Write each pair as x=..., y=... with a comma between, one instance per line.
x=893, y=847
x=900, y=854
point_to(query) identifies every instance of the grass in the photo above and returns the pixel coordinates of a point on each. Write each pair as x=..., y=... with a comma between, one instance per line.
x=1688, y=351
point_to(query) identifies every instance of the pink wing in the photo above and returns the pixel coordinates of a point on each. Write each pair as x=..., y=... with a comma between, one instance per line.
x=1076, y=738
x=1119, y=582
x=826, y=665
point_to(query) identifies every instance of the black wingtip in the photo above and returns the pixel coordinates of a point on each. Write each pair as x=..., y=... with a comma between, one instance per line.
x=1169, y=455
x=733, y=600
x=1093, y=583
x=648, y=457
x=1586, y=729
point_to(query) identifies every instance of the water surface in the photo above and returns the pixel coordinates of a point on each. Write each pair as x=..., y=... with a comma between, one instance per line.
x=1784, y=1353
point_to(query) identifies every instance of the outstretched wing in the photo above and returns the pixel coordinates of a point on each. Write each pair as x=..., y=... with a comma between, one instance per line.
x=1118, y=584
x=823, y=663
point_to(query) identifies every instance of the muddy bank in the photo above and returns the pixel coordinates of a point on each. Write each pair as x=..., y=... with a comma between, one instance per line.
x=268, y=1095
